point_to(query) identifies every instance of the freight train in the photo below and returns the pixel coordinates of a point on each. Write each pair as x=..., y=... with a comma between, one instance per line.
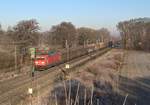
x=46, y=58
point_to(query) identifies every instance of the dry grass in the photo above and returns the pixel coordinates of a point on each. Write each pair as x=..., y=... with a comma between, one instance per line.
x=104, y=69
x=92, y=86
x=6, y=61
x=73, y=92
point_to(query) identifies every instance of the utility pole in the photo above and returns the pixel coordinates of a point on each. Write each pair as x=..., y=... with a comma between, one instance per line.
x=87, y=42
x=84, y=44
x=67, y=47
x=21, y=62
x=15, y=57
x=67, y=66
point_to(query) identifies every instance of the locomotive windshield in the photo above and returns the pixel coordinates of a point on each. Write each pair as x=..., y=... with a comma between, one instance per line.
x=42, y=52
x=40, y=58
x=45, y=52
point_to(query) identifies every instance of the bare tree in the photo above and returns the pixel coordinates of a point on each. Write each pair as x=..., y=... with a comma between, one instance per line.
x=64, y=31
x=135, y=33
x=104, y=35
x=84, y=35
x=26, y=30
x=92, y=36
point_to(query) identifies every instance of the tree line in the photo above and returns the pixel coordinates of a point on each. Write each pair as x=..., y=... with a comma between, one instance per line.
x=135, y=33
x=27, y=33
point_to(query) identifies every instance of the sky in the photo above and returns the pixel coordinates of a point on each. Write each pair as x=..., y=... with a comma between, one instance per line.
x=82, y=13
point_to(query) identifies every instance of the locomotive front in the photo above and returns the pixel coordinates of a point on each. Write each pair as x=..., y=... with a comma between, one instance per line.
x=46, y=58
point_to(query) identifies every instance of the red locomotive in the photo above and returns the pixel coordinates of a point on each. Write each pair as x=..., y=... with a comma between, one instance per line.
x=46, y=58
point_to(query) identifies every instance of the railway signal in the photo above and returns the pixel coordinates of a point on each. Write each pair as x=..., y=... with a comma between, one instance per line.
x=32, y=52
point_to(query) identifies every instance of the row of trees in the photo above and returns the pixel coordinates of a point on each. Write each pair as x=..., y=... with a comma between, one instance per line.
x=66, y=31
x=27, y=33
x=135, y=33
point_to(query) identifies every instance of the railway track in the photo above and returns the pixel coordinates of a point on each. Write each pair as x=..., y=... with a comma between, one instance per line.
x=16, y=90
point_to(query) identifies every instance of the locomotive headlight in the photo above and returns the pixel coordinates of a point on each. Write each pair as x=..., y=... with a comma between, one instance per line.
x=36, y=62
x=43, y=63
